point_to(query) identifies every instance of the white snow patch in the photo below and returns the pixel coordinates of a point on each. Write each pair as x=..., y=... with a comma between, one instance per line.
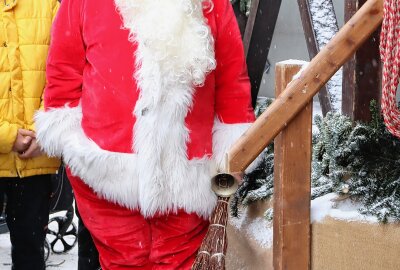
x=5, y=251
x=258, y=229
x=330, y=205
x=334, y=86
x=67, y=261
x=324, y=21
x=298, y=74
x=293, y=62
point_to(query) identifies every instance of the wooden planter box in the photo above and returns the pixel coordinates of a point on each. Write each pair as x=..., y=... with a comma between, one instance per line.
x=345, y=245
x=336, y=245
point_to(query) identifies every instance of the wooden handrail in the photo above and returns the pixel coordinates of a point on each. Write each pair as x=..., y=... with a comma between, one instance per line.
x=301, y=91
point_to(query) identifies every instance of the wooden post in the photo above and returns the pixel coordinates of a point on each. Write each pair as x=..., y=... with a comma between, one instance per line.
x=301, y=91
x=362, y=74
x=257, y=39
x=292, y=184
x=313, y=50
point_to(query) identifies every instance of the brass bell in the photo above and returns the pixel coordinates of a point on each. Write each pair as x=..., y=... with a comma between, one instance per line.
x=224, y=185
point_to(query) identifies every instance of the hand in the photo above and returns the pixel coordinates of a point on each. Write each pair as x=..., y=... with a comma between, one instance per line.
x=23, y=140
x=33, y=150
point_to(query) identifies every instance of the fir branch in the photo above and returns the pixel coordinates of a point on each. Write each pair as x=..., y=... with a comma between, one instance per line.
x=244, y=6
x=361, y=162
x=258, y=184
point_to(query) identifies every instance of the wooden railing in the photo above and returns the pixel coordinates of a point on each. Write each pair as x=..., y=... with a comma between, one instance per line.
x=290, y=115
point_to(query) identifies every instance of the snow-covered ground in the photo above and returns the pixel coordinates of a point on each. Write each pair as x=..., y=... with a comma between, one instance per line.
x=258, y=229
x=332, y=205
x=329, y=205
x=67, y=261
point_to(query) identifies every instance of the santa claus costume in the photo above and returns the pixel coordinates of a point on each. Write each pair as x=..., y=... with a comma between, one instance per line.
x=144, y=97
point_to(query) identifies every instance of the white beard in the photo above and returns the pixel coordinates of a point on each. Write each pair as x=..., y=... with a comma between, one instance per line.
x=173, y=34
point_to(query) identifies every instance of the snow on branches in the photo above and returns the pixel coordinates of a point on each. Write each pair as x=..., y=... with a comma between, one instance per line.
x=360, y=162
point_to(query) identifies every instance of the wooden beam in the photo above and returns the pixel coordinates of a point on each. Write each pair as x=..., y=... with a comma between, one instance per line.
x=250, y=25
x=301, y=91
x=313, y=50
x=292, y=184
x=362, y=74
x=258, y=38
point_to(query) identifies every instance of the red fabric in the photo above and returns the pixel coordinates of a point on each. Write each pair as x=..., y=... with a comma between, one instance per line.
x=91, y=61
x=126, y=240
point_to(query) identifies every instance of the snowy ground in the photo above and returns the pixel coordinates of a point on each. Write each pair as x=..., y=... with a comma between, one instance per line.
x=329, y=205
x=67, y=261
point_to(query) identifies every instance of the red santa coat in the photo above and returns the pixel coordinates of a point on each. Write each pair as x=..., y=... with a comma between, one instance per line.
x=144, y=98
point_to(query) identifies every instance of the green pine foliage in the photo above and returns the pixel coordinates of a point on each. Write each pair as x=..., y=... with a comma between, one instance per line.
x=262, y=105
x=244, y=5
x=360, y=161
x=258, y=184
x=328, y=145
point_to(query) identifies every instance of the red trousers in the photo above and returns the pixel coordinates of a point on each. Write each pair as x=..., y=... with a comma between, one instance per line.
x=127, y=240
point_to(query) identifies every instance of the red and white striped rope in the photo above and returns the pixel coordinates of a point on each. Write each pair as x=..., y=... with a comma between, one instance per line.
x=390, y=55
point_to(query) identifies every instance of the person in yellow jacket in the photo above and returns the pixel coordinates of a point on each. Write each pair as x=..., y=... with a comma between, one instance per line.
x=24, y=170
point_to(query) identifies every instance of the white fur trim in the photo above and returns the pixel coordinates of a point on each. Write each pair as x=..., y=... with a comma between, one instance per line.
x=115, y=176
x=175, y=52
x=224, y=136
x=109, y=174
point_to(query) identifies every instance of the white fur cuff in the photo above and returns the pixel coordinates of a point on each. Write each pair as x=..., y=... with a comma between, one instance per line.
x=109, y=174
x=224, y=136
x=115, y=176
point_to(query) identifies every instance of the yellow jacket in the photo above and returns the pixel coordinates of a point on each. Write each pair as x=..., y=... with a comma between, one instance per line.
x=24, y=41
